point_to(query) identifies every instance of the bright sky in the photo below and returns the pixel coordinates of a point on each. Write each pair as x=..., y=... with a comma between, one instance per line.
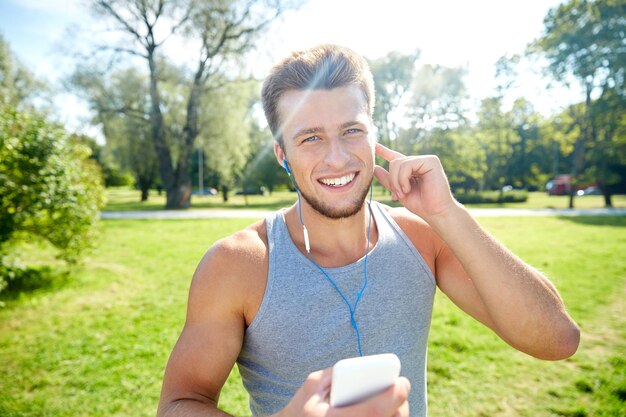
x=448, y=32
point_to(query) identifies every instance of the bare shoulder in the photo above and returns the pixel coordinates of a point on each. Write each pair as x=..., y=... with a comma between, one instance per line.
x=410, y=223
x=233, y=272
x=423, y=237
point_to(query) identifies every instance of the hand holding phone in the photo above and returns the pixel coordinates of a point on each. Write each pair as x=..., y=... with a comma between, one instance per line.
x=356, y=379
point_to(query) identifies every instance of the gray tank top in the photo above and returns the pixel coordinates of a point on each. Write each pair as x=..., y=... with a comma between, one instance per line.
x=303, y=325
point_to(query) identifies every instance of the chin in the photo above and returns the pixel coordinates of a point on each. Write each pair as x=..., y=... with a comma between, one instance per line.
x=334, y=211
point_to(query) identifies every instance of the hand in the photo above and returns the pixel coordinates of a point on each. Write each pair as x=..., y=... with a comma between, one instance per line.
x=312, y=400
x=418, y=182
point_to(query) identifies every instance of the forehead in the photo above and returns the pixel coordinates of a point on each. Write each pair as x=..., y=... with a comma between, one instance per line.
x=324, y=109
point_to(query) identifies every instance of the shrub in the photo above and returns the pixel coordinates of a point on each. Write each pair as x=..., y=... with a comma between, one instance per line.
x=48, y=185
x=492, y=197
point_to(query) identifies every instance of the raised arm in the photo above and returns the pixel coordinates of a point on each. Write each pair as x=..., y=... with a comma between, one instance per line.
x=479, y=274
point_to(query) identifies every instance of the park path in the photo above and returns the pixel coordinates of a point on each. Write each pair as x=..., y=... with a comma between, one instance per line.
x=256, y=214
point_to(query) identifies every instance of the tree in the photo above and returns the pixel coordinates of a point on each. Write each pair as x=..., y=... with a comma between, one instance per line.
x=262, y=169
x=393, y=74
x=607, y=152
x=437, y=102
x=583, y=40
x=530, y=160
x=49, y=186
x=221, y=30
x=438, y=97
x=121, y=109
x=499, y=139
x=225, y=130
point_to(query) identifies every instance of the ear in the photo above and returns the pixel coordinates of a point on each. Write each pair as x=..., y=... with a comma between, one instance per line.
x=279, y=153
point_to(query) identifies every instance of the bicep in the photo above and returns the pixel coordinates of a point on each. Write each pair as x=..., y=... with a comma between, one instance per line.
x=201, y=362
x=208, y=345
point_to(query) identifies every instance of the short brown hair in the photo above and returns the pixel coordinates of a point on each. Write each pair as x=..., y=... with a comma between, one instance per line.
x=323, y=67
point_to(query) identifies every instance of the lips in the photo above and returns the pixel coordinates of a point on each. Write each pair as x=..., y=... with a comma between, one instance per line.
x=338, y=181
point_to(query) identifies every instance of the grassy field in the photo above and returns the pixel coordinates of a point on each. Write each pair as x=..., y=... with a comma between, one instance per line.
x=94, y=341
x=124, y=199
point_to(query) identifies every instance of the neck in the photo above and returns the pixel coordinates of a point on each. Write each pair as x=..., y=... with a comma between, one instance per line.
x=333, y=242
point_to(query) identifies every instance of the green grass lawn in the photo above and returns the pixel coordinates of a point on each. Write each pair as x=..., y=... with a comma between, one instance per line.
x=94, y=341
x=124, y=199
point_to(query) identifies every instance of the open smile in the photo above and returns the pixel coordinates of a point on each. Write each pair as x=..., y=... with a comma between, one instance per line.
x=339, y=182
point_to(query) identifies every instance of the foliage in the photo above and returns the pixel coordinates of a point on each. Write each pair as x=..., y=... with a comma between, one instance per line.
x=438, y=94
x=119, y=101
x=225, y=135
x=262, y=169
x=491, y=197
x=584, y=39
x=49, y=186
x=112, y=175
x=392, y=80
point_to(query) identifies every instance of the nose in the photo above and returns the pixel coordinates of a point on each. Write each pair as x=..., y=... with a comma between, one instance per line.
x=337, y=154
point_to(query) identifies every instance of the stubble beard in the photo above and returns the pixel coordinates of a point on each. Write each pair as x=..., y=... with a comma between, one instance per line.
x=334, y=212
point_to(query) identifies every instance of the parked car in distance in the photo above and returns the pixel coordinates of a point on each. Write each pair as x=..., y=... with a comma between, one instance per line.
x=206, y=191
x=559, y=185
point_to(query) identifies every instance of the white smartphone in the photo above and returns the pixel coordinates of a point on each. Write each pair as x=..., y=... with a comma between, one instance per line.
x=356, y=379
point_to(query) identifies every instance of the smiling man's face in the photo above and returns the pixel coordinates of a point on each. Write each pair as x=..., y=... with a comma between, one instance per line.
x=328, y=144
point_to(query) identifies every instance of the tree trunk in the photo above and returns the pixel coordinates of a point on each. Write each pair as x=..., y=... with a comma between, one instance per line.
x=181, y=187
x=144, y=182
x=606, y=193
x=225, y=193
x=166, y=169
x=180, y=196
x=572, y=193
x=579, y=147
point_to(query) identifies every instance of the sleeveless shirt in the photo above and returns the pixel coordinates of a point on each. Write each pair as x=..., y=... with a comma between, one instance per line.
x=303, y=324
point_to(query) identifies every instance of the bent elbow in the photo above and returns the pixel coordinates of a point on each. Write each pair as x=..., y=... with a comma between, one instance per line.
x=566, y=343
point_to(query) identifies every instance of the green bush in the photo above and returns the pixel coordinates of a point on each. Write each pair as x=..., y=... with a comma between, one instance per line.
x=492, y=197
x=48, y=185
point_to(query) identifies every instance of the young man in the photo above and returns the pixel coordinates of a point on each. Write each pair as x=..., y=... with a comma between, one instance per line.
x=335, y=276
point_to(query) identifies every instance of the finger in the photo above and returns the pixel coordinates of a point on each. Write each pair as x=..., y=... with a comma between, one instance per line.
x=383, y=177
x=386, y=153
x=403, y=411
x=324, y=384
x=326, y=378
x=408, y=171
x=390, y=401
x=318, y=382
x=394, y=168
x=387, y=403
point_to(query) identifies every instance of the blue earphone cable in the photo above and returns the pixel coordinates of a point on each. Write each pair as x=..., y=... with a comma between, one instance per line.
x=360, y=293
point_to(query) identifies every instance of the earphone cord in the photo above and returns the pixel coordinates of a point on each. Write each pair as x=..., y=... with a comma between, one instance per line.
x=360, y=293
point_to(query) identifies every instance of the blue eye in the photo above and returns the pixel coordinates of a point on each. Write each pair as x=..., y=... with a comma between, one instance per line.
x=353, y=131
x=310, y=139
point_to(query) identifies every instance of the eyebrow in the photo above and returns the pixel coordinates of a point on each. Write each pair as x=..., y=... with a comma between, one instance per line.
x=307, y=131
x=317, y=129
x=351, y=123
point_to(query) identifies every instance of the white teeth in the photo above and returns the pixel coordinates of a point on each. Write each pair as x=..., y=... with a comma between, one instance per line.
x=338, y=182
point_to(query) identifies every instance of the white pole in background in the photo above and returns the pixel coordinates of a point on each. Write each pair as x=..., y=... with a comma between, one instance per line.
x=200, y=185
